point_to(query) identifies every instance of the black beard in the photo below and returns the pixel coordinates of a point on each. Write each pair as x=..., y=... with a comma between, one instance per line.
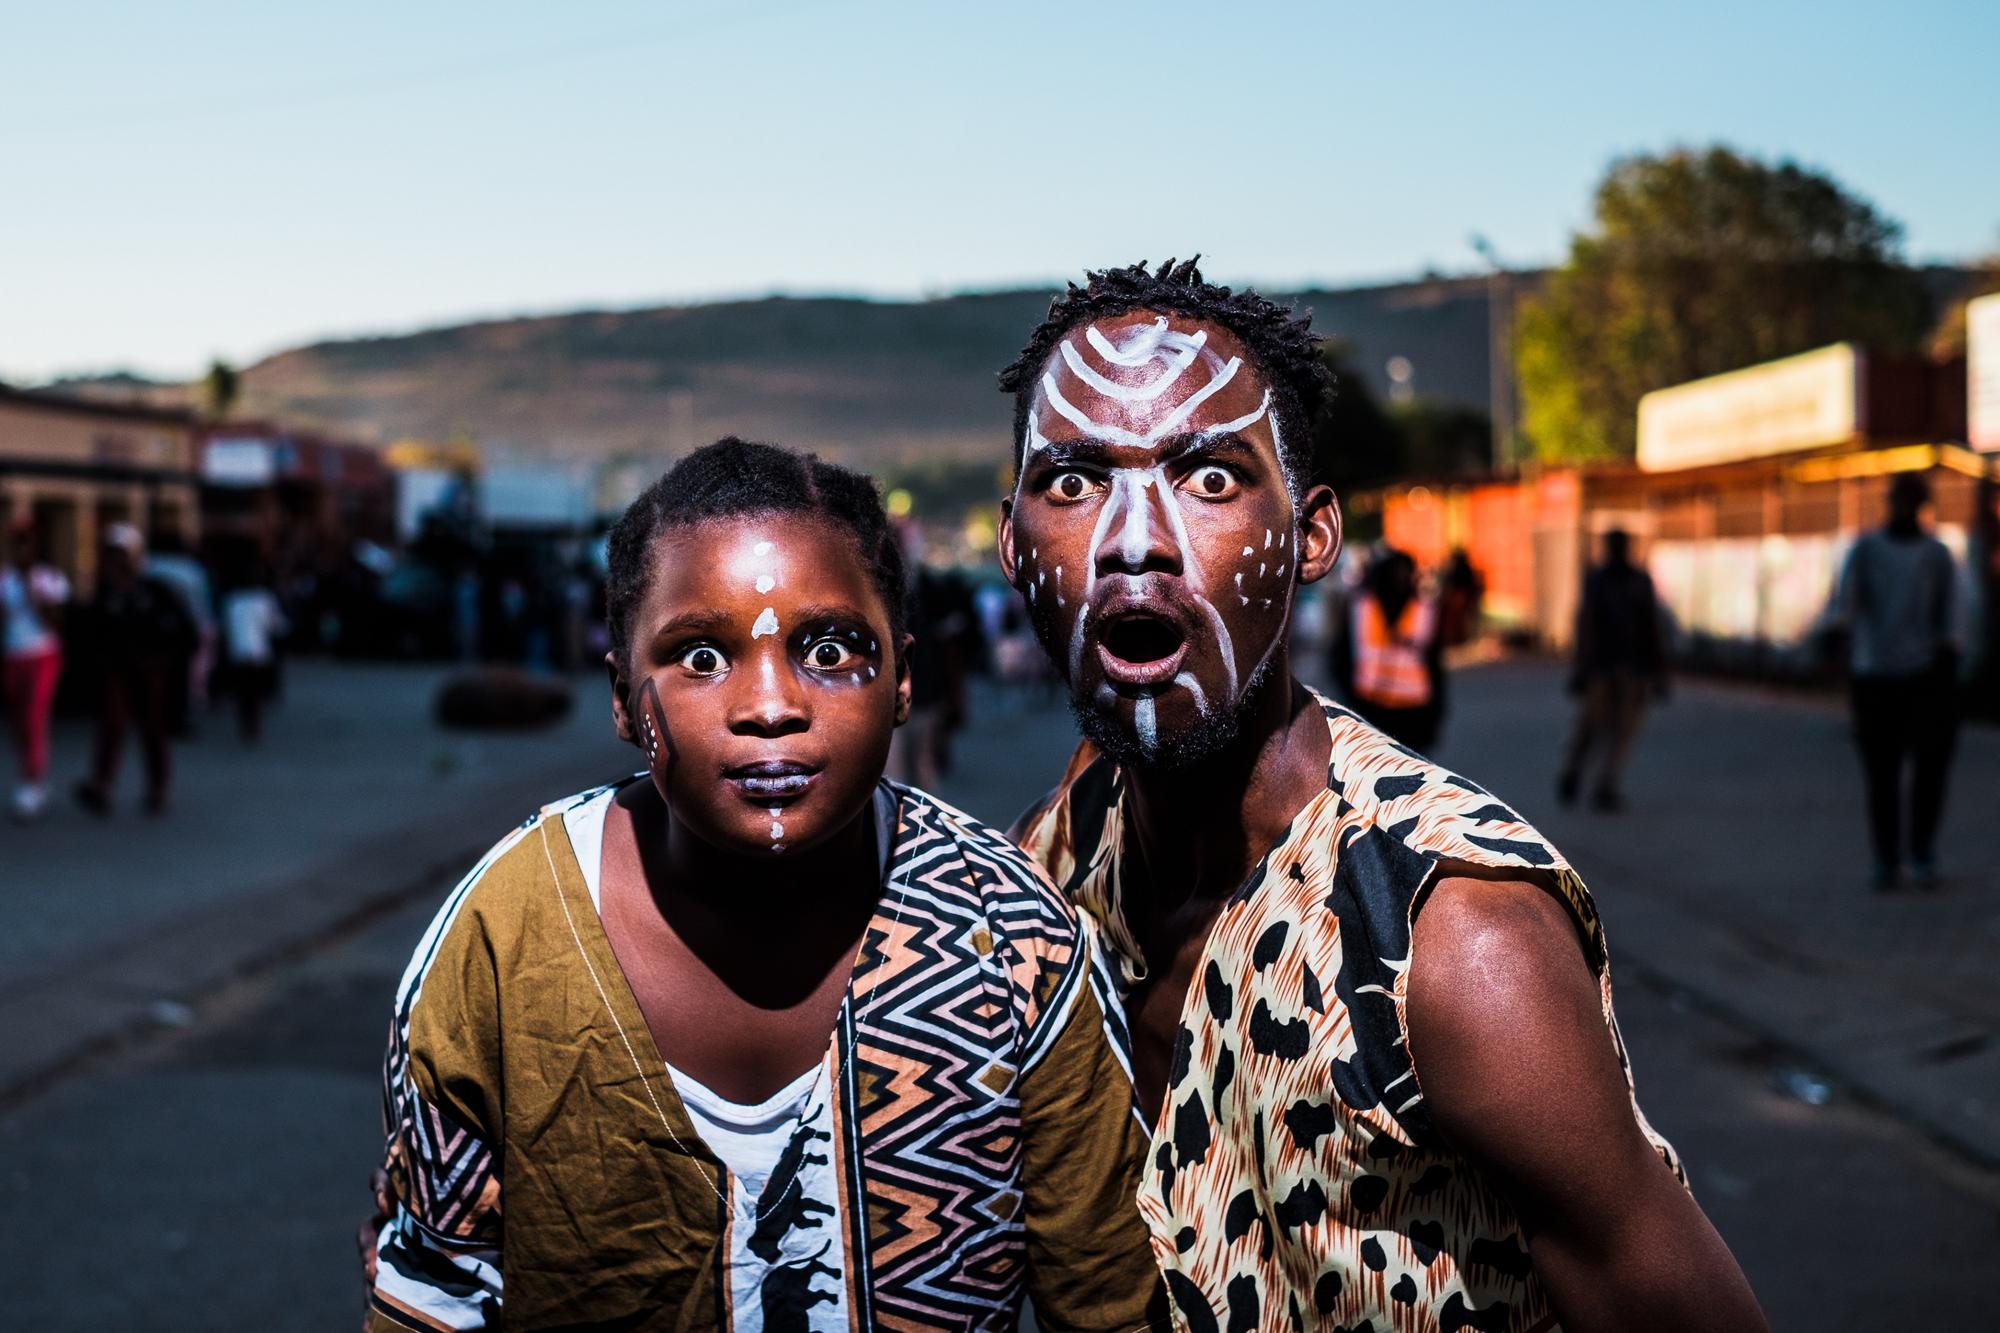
x=1211, y=734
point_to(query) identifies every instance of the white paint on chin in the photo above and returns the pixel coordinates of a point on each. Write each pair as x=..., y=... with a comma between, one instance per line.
x=767, y=623
x=1145, y=724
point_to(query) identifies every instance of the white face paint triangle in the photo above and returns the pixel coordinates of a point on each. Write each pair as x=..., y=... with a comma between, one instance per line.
x=767, y=623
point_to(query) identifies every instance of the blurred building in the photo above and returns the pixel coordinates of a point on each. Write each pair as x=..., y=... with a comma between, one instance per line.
x=76, y=467
x=1746, y=492
x=292, y=493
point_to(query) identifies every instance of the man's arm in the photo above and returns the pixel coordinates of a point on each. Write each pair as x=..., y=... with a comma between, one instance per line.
x=1510, y=1045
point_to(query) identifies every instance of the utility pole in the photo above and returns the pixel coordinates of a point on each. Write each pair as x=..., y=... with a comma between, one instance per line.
x=1499, y=354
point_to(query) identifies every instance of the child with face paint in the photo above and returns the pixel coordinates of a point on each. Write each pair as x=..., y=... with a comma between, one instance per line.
x=757, y=1038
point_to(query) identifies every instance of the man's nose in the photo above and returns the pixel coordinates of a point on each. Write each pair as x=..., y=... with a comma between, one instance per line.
x=1141, y=531
x=770, y=698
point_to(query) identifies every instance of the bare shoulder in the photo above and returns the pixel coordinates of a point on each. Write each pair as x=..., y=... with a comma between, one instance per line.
x=1505, y=1018
x=1504, y=941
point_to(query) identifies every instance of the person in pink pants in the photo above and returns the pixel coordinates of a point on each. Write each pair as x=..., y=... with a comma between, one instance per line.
x=32, y=595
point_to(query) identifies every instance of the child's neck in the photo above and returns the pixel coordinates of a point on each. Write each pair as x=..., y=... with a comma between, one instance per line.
x=830, y=880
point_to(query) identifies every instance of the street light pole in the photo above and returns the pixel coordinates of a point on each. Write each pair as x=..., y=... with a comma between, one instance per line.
x=1499, y=354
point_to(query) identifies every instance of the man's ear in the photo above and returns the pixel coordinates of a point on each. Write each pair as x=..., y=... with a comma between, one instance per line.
x=621, y=715
x=903, y=679
x=1319, y=534
x=1007, y=539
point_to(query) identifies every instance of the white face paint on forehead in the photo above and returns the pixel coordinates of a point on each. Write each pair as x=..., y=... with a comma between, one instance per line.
x=761, y=566
x=1144, y=365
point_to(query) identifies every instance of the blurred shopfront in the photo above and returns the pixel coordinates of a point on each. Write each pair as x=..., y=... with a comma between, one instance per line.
x=77, y=467
x=1747, y=490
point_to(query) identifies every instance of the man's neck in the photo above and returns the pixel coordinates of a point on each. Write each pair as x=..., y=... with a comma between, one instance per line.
x=1199, y=830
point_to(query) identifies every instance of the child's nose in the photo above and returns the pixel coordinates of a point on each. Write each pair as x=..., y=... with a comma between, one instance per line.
x=773, y=699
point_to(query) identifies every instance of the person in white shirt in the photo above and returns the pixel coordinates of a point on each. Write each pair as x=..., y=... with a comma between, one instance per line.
x=252, y=624
x=32, y=595
x=1898, y=600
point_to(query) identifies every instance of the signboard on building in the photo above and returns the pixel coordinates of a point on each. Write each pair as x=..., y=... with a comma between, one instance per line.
x=239, y=462
x=1982, y=372
x=1806, y=401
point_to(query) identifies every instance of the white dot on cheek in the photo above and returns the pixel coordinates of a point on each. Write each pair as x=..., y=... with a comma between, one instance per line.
x=1249, y=550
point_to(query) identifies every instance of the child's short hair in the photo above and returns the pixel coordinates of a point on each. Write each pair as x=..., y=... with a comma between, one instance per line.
x=734, y=478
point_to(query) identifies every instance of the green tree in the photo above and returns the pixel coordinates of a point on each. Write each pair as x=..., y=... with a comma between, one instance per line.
x=1701, y=261
x=219, y=388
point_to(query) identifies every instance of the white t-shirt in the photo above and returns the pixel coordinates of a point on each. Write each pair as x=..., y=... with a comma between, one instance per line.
x=26, y=635
x=251, y=618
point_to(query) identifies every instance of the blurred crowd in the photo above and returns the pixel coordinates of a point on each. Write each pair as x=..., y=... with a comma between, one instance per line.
x=168, y=635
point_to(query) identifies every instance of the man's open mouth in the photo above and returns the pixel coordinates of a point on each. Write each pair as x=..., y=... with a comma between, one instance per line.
x=1138, y=648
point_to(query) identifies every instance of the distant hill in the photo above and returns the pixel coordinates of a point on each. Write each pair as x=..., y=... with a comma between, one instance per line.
x=877, y=383
x=882, y=384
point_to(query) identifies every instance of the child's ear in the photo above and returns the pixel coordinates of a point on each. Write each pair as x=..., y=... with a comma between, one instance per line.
x=903, y=679
x=1007, y=540
x=621, y=716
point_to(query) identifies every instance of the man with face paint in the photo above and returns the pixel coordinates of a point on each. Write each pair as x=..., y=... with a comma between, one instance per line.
x=1369, y=1007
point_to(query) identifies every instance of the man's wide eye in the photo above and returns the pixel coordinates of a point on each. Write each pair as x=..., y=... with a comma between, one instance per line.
x=1070, y=486
x=1212, y=482
x=702, y=660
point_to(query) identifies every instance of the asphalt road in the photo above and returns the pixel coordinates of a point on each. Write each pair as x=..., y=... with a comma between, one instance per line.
x=211, y=1178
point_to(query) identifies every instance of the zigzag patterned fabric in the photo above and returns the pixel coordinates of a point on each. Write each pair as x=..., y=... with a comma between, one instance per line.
x=937, y=1046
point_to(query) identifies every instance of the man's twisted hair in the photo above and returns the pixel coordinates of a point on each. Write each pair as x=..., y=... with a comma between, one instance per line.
x=1279, y=339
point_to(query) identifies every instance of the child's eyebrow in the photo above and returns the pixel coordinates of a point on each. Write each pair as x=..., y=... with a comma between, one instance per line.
x=811, y=619
x=703, y=621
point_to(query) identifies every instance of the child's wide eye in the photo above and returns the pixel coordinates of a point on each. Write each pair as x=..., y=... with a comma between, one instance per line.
x=829, y=655
x=704, y=660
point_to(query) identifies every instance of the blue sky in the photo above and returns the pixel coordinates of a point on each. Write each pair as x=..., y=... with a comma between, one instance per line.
x=230, y=179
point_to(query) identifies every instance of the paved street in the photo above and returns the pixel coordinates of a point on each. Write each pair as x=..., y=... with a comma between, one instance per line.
x=209, y=1175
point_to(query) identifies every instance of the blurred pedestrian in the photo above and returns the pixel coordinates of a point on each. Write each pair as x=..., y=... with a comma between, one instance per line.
x=33, y=593
x=1619, y=664
x=1461, y=595
x=252, y=625
x=139, y=630
x=1898, y=600
x=1392, y=669
x=175, y=565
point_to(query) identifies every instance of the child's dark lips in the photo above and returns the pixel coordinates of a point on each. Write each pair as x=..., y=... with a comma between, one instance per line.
x=772, y=781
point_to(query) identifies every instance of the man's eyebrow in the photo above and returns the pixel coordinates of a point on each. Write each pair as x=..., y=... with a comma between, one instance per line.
x=1204, y=444
x=1062, y=453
